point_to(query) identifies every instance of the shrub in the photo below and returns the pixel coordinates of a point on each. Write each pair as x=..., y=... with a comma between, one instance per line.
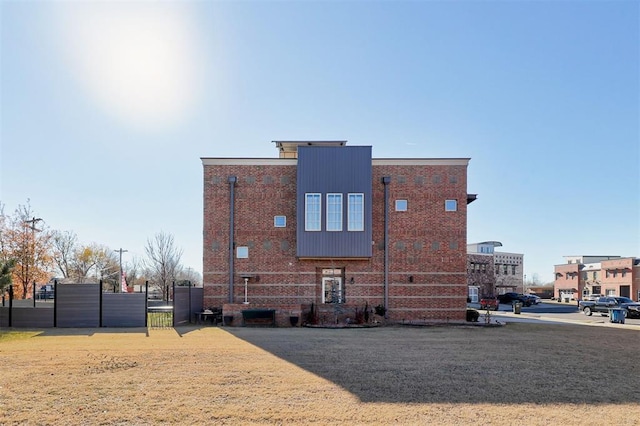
x=472, y=315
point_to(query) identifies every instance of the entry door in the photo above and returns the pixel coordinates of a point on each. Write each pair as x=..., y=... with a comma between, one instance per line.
x=331, y=289
x=625, y=291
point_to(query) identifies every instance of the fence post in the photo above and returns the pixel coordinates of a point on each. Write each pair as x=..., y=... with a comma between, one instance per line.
x=10, y=305
x=173, y=304
x=34, y=293
x=55, y=303
x=189, y=301
x=146, y=303
x=100, y=300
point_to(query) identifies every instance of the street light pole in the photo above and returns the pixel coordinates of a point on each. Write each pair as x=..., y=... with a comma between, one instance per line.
x=121, y=251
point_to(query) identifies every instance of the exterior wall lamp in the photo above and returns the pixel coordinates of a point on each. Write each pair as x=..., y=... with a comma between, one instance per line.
x=246, y=282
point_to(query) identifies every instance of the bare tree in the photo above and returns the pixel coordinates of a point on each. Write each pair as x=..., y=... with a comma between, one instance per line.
x=163, y=261
x=64, y=247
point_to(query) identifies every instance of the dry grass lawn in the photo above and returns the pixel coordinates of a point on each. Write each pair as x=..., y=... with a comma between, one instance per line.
x=521, y=373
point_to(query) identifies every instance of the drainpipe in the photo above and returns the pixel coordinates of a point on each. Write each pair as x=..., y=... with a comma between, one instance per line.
x=232, y=185
x=385, y=181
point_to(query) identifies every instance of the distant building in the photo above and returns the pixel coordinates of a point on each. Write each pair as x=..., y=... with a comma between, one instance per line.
x=606, y=275
x=490, y=272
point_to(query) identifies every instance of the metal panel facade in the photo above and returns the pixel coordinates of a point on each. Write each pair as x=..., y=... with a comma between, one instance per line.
x=123, y=309
x=78, y=305
x=342, y=170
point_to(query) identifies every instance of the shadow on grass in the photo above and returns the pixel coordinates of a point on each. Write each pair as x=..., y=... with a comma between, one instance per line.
x=519, y=363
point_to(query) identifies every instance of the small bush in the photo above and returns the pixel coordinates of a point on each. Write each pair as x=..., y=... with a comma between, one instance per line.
x=472, y=315
x=380, y=310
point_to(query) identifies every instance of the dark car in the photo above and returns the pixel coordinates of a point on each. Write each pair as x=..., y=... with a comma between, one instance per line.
x=510, y=297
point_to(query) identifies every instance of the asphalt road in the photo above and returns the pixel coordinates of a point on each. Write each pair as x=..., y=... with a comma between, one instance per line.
x=553, y=312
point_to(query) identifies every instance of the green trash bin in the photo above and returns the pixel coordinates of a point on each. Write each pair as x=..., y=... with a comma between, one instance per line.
x=616, y=315
x=517, y=307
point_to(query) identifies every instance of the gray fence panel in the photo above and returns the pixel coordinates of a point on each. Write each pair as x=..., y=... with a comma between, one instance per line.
x=32, y=317
x=78, y=305
x=181, y=305
x=197, y=299
x=4, y=316
x=123, y=309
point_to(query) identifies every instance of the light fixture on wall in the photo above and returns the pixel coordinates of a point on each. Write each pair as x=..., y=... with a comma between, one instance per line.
x=246, y=282
x=351, y=280
x=410, y=278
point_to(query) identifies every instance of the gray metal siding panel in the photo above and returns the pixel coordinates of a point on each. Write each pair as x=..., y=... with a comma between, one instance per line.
x=78, y=305
x=334, y=170
x=181, y=313
x=32, y=317
x=123, y=309
x=4, y=317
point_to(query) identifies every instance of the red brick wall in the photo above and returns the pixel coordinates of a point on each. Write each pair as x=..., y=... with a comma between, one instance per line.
x=427, y=246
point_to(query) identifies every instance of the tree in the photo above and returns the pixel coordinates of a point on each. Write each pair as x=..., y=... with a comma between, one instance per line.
x=64, y=246
x=163, y=261
x=6, y=274
x=25, y=239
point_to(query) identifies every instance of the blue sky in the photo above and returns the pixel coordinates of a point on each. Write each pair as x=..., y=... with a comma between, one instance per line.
x=106, y=109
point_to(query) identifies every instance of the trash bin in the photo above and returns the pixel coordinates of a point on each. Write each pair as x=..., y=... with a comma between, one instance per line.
x=517, y=307
x=616, y=315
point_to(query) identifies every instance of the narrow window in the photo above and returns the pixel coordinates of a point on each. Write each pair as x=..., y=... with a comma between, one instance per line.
x=355, y=212
x=401, y=205
x=280, y=221
x=312, y=212
x=334, y=212
x=450, y=205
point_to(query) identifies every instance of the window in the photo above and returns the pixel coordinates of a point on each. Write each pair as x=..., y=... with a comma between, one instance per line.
x=312, y=212
x=242, y=252
x=401, y=205
x=506, y=269
x=355, y=212
x=280, y=221
x=334, y=212
x=513, y=269
x=450, y=205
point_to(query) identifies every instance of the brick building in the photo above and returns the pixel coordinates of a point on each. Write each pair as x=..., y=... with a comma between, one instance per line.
x=490, y=272
x=608, y=275
x=326, y=224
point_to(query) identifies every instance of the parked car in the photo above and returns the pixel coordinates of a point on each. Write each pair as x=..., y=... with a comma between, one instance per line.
x=603, y=304
x=510, y=297
x=593, y=297
x=532, y=298
x=489, y=302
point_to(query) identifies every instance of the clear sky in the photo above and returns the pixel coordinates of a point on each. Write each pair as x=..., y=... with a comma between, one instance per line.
x=106, y=109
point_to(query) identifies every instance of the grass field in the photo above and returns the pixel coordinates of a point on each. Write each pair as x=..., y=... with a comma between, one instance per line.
x=520, y=373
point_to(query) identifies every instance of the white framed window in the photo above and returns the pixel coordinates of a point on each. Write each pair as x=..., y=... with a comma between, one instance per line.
x=401, y=205
x=312, y=211
x=280, y=221
x=242, y=252
x=355, y=212
x=334, y=212
x=450, y=205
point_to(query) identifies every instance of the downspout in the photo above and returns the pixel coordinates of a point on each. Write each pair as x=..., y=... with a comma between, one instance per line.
x=385, y=181
x=232, y=185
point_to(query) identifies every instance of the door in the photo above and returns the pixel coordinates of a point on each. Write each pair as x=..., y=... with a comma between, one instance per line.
x=331, y=289
x=625, y=291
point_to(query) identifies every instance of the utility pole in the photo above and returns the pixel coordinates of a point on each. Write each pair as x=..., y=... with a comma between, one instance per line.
x=120, y=251
x=32, y=225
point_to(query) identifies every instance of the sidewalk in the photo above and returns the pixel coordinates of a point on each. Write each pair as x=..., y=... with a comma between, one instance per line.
x=599, y=321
